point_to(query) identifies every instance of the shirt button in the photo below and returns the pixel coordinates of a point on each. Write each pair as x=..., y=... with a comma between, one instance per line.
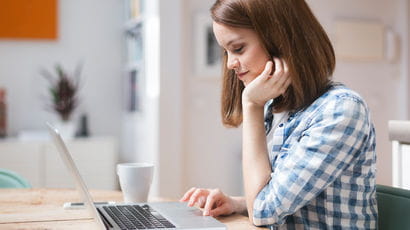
x=281, y=125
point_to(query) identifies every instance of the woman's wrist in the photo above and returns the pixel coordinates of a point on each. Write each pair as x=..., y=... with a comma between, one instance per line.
x=247, y=104
x=239, y=205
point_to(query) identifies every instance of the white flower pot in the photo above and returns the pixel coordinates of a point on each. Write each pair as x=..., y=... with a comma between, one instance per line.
x=66, y=129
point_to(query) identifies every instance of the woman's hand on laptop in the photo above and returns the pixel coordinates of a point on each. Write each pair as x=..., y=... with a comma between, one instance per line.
x=214, y=202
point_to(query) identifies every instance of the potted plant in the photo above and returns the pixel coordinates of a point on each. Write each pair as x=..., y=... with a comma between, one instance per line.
x=63, y=92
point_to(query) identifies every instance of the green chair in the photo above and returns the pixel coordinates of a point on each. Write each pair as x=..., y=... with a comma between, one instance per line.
x=9, y=179
x=393, y=207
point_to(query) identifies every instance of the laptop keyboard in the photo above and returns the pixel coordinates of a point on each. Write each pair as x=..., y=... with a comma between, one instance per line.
x=137, y=217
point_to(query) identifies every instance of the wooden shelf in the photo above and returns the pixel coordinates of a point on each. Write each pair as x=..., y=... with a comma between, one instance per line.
x=134, y=23
x=134, y=65
x=40, y=163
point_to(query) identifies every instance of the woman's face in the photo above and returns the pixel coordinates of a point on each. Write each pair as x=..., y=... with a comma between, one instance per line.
x=245, y=53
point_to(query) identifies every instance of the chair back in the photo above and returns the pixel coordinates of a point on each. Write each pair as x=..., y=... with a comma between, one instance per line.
x=399, y=134
x=393, y=208
x=10, y=179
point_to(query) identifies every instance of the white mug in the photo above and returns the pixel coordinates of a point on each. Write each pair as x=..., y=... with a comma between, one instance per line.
x=135, y=180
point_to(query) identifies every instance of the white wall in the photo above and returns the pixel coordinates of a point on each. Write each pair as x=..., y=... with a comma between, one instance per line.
x=383, y=84
x=90, y=31
x=170, y=101
x=212, y=152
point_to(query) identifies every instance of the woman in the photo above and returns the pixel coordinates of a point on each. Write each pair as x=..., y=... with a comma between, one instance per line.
x=309, y=163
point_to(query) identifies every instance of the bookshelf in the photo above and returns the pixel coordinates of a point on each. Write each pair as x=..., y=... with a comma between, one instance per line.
x=141, y=33
x=133, y=78
x=134, y=51
x=151, y=129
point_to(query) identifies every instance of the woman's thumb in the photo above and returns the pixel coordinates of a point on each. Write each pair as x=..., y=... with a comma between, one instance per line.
x=268, y=68
x=221, y=210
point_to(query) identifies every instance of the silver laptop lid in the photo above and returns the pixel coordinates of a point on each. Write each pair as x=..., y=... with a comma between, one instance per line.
x=80, y=184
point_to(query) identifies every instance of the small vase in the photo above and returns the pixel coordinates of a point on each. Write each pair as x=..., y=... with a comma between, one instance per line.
x=66, y=129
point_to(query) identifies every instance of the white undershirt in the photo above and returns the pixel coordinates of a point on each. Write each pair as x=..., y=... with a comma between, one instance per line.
x=278, y=118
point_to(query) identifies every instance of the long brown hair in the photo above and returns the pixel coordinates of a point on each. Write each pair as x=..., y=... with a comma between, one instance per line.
x=287, y=29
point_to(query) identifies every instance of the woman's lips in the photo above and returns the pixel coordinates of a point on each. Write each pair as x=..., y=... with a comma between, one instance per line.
x=240, y=75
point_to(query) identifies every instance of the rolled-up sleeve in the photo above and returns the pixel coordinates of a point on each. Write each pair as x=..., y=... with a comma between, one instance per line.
x=331, y=140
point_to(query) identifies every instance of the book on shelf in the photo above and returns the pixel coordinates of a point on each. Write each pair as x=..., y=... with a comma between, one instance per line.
x=133, y=93
x=135, y=7
x=134, y=48
x=134, y=25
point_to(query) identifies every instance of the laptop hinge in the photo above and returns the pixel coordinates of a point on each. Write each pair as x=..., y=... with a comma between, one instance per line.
x=104, y=219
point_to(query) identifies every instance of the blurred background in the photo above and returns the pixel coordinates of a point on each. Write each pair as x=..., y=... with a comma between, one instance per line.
x=147, y=84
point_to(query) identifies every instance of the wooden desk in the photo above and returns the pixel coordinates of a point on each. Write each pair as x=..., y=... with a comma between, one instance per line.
x=42, y=209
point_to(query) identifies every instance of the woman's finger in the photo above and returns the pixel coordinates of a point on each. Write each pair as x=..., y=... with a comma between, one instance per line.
x=281, y=75
x=285, y=67
x=196, y=195
x=268, y=68
x=210, y=201
x=278, y=66
x=287, y=83
x=221, y=210
x=201, y=202
x=188, y=194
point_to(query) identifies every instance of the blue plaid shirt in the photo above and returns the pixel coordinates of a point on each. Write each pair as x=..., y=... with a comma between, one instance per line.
x=323, y=167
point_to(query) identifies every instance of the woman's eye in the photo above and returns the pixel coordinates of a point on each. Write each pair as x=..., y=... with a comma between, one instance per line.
x=238, y=49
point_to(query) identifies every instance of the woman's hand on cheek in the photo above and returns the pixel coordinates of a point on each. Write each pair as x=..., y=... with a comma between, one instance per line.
x=266, y=86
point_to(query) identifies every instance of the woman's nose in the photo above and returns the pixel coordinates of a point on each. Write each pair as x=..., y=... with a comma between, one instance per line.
x=232, y=63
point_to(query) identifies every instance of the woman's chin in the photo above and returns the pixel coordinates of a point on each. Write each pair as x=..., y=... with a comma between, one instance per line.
x=246, y=81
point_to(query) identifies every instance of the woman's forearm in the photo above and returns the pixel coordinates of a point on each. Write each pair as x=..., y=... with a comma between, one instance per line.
x=255, y=162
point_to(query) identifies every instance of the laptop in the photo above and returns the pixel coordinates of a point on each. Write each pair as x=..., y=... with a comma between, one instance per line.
x=160, y=215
